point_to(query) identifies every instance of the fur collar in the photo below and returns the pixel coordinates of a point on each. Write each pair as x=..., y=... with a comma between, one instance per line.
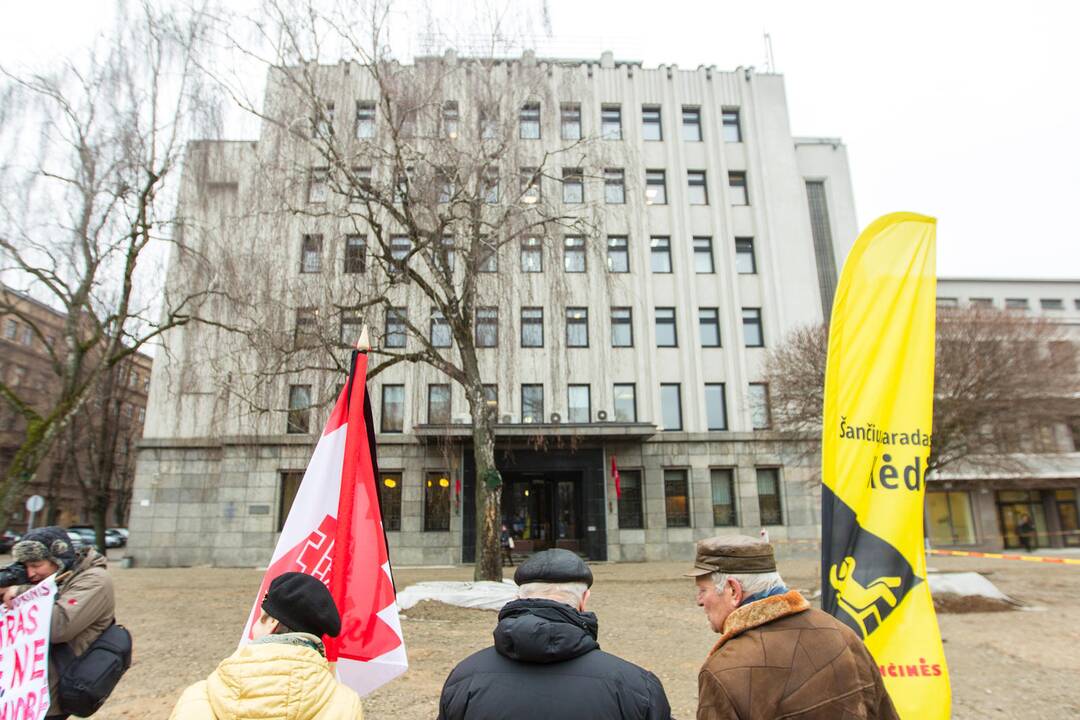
x=760, y=612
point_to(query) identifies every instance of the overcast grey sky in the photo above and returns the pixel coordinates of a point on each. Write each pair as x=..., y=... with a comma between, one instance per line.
x=968, y=111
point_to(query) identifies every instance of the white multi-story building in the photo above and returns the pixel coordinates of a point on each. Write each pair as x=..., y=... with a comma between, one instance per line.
x=722, y=233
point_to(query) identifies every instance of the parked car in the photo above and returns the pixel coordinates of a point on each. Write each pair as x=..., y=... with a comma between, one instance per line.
x=115, y=538
x=76, y=539
x=8, y=540
x=89, y=537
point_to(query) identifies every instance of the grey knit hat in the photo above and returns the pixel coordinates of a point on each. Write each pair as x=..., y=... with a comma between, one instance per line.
x=47, y=543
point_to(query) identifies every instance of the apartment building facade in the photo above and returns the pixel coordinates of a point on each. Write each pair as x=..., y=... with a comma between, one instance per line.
x=982, y=506
x=638, y=347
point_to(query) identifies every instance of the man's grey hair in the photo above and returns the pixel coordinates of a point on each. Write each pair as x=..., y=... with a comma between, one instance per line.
x=570, y=593
x=752, y=583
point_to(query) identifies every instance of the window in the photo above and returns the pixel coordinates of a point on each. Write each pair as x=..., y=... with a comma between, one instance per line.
x=570, y=121
x=1052, y=304
x=691, y=124
x=614, y=186
x=732, y=131
x=660, y=253
x=438, y=404
x=671, y=406
x=290, y=485
x=311, y=254
x=737, y=187
x=532, y=255
x=489, y=256
x=299, y=417
x=28, y=336
x=751, y=324
x=489, y=123
x=744, y=256
x=715, y=406
x=530, y=121
x=11, y=330
x=768, y=489
x=573, y=189
x=624, y=396
x=677, y=498
x=703, y=257
x=401, y=185
x=578, y=404
x=982, y=302
x=611, y=122
x=618, y=256
x=577, y=327
x=709, y=323
x=760, y=415
x=444, y=254
x=408, y=122
x=1016, y=304
x=355, y=254
x=949, y=519
x=400, y=247
x=440, y=330
x=532, y=403
x=631, y=511
x=487, y=327
x=392, y=417
x=365, y=120
x=723, y=497
x=437, y=501
x=650, y=123
x=142, y=415
x=491, y=399
x=622, y=328
x=395, y=334
x=352, y=324
x=531, y=185
x=490, y=189
x=532, y=327
x=655, y=187
x=444, y=186
x=390, y=500
x=319, y=185
x=451, y=119
x=697, y=189
x=361, y=184
x=574, y=254
x=323, y=122
x=306, y=330
x=667, y=334
x=948, y=302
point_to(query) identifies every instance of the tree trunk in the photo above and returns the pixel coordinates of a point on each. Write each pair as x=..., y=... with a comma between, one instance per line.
x=488, y=492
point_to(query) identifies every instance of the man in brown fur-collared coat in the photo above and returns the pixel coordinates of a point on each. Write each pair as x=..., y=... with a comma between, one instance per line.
x=776, y=657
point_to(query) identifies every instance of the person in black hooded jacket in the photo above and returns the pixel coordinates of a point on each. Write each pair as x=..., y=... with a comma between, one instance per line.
x=546, y=662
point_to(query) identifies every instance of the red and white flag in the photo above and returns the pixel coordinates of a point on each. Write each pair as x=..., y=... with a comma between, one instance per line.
x=615, y=477
x=334, y=533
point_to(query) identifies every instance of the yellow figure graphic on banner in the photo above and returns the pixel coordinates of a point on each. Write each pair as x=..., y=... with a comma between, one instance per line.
x=858, y=601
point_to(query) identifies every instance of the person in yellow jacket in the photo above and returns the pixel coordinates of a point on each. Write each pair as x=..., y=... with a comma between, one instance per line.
x=283, y=672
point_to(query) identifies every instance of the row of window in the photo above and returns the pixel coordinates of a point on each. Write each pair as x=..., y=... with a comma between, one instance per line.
x=531, y=188
x=1010, y=303
x=530, y=122
x=575, y=257
x=578, y=403
x=437, y=496
x=22, y=333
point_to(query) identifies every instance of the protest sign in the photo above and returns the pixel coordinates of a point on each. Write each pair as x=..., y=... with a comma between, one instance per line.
x=24, y=653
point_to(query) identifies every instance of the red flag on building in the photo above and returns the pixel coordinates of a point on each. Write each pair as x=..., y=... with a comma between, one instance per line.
x=615, y=475
x=334, y=532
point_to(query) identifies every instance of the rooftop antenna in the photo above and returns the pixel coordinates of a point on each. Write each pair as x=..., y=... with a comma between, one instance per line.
x=770, y=65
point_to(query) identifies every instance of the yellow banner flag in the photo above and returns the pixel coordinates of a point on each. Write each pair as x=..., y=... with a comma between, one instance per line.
x=879, y=394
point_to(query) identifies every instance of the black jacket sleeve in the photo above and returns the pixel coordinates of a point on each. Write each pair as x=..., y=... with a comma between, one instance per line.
x=658, y=709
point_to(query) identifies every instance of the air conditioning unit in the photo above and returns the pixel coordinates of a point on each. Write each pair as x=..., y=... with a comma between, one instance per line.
x=508, y=419
x=556, y=418
x=601, y=416
x=462, y=419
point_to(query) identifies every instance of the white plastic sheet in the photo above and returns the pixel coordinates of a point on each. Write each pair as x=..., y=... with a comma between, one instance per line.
x=483, y=595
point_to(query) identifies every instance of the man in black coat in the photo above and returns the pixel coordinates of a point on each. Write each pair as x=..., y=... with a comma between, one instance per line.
x=546, y=662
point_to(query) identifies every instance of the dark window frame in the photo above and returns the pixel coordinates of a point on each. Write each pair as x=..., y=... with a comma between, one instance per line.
x=674, y=476
x=671, y=320
x=384, y=426
x=532, y=322
x=628, y=323
x=582, y=321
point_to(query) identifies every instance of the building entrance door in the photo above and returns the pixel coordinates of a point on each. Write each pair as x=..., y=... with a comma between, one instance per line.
x=542, y=510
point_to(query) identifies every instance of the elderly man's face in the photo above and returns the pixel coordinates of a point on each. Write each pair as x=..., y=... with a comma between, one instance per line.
x=720, y=603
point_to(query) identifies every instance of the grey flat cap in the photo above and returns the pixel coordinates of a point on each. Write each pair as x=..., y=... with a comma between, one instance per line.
x=553, y=566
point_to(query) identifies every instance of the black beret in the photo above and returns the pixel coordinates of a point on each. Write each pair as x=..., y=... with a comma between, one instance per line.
x=553, y=566
x=302, y=603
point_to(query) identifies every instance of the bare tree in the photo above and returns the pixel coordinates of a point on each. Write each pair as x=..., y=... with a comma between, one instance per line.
x=1002, y=381
x=437, y=188
x=85, y=216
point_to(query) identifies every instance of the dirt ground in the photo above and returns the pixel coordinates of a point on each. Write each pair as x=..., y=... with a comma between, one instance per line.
x=1021, y=664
